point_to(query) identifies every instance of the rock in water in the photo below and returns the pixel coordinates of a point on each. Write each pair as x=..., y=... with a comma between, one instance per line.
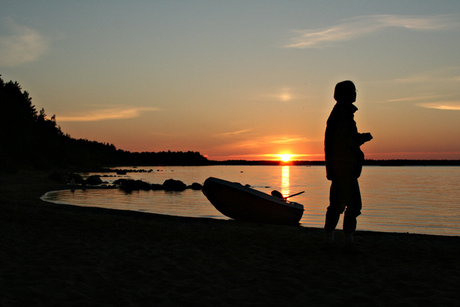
x=196, y=186
x=174, y=185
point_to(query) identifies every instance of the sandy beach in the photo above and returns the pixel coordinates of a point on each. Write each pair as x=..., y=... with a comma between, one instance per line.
x=56, y=255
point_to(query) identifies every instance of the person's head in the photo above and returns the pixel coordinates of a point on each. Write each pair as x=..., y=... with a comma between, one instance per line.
x=345, y=91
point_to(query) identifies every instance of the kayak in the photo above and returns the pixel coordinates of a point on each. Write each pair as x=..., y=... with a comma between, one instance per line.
x=242, y=203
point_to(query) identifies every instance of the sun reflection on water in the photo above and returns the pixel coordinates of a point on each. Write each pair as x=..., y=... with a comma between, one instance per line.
x=285, y=181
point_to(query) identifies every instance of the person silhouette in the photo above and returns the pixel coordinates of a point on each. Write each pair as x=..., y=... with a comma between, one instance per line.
x=344, y=160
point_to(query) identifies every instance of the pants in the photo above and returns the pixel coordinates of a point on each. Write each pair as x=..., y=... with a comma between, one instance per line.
x=344, y=194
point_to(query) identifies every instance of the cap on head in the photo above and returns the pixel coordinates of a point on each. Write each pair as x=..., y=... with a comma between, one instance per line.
x=345, y=91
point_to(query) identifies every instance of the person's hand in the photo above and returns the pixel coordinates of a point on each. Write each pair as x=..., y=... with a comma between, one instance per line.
x=367, y=137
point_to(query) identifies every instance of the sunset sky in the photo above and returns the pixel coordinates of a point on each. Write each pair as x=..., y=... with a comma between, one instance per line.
x=240, y=79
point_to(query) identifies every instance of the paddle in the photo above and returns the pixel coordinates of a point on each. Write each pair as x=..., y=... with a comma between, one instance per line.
x=278, y=194
x=294, y=195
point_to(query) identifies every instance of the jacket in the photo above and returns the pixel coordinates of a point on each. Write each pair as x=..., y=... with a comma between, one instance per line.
x=344, y=158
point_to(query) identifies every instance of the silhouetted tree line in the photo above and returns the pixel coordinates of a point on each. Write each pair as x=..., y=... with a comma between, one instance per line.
x=29, y=139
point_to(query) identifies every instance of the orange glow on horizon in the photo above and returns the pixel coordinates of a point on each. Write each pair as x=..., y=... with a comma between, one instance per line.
x=280, y=157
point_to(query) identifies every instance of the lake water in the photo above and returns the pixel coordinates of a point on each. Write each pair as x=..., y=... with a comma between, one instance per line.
x=422, y=200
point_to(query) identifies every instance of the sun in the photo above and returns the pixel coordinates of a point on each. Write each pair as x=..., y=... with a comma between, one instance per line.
x=285, y=157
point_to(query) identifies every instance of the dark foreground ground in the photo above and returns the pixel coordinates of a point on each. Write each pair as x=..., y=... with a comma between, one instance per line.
x=56, y=255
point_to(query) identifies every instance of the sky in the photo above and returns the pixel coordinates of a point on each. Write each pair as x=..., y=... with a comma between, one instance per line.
x=240, y=79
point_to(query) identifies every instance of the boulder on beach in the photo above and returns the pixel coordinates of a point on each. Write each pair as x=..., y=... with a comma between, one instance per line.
x=93, y=180
x=174, y=185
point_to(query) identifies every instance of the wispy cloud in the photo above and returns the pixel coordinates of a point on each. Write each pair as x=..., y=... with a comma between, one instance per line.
x=20, y=45
x=424, y=96
x=356, y=27
x=431, y=101
x=106, y=114
x=266, y=141
x=281, y=94
x=442, y=105
x=232, y=133
x=285, y=140
x=443, y=74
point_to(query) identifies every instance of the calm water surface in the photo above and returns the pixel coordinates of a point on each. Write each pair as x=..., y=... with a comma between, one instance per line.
x=395, y=199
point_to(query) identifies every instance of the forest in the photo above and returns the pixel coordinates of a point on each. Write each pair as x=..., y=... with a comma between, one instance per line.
x=29, y=139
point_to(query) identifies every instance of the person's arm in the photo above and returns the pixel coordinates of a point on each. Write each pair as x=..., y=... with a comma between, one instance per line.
x=364, y=137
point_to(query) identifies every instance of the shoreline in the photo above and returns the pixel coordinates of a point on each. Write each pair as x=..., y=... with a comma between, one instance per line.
x=64, y=188
x=68, y=255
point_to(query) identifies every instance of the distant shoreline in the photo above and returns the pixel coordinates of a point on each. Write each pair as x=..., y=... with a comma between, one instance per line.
x=383, y=163
x=396, y=162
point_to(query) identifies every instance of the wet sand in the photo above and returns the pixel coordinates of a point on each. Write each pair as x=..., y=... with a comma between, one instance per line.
x=70, y=256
